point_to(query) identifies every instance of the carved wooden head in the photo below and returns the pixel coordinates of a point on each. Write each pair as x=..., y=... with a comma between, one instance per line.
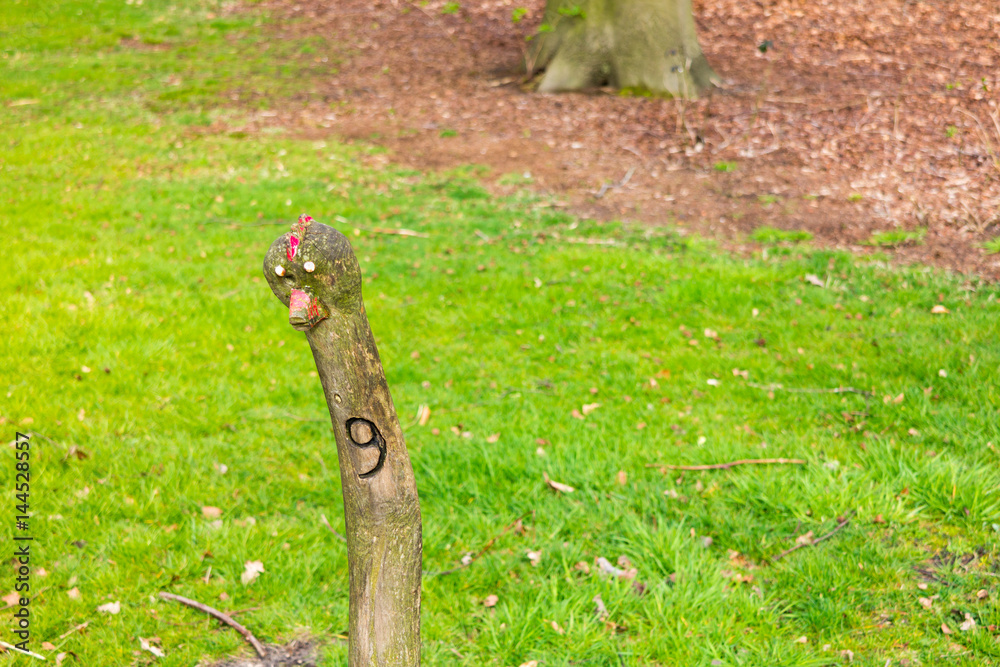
x=313, y=271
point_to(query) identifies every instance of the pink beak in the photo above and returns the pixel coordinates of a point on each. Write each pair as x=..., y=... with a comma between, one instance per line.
x=305, y=312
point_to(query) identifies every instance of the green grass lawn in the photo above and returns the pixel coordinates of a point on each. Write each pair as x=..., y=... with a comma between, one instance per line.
x=159, y=376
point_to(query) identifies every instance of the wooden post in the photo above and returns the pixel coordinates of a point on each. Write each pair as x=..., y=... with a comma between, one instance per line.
x=313, y=271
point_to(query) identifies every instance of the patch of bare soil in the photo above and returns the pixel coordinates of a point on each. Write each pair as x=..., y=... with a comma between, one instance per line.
x=860, y=117
x=298, y=653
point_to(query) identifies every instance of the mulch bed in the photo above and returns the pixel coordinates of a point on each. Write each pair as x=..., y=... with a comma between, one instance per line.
x=859, y=118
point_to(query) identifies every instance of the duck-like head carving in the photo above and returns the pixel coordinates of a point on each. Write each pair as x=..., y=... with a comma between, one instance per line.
x=313, y=271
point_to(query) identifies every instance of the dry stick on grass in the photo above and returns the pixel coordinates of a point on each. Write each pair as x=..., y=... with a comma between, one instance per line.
x=228, y=620
x=840, y=526
x=11, y=647
x=63, y=637
x=327, y=524
x=727, y=466
x=74, y=629
x=485, y=548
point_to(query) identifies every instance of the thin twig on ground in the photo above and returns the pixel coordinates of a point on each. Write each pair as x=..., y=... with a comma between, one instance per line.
x=619, y=184
x=63, y=638
x=215, y=613
x=726, y=466
x=832, y=390
x=326, y=523
x=11, y=647
x=840, y=526
x=485, y=548
x=74, y=629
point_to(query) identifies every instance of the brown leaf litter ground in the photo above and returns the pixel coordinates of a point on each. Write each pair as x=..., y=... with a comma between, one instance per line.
x=860, y=118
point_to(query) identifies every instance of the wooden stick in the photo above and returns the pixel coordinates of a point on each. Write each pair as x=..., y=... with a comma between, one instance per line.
x=315, y=274
x=727, y=466
x=215, y=613
x=11, y=647
x=74, y=629
x=840, y=526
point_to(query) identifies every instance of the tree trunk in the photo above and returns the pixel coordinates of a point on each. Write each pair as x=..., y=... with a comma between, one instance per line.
x=314, y=272
x=647, y=45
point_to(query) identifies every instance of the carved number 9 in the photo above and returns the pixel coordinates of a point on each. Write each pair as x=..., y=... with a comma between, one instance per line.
x=363, y=433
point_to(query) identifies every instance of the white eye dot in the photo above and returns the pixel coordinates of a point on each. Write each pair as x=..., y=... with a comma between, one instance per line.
x=309, y=267
x=280, y=270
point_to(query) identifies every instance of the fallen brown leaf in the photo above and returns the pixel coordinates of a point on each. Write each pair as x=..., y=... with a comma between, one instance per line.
x=558, y=486
x=145, y=645
x=110, y=608
x=969, y=624
x=251, y=570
